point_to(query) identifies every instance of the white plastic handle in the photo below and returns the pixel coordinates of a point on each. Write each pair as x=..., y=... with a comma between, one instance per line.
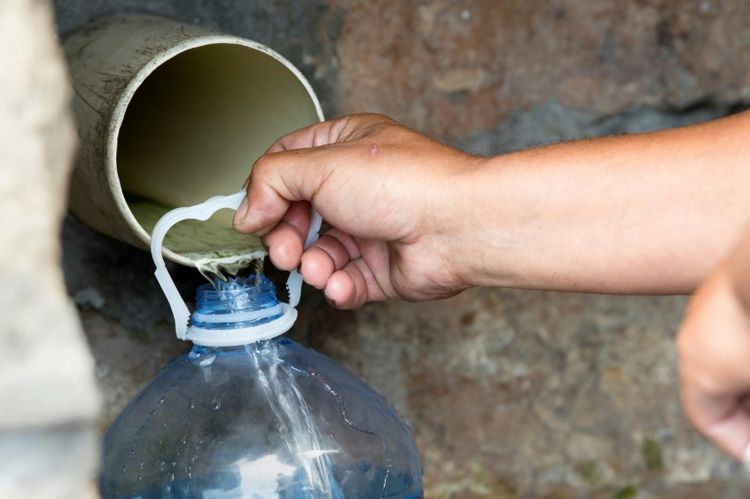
x=202, y=212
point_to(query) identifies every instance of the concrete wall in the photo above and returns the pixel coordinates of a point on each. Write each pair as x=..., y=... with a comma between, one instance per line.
x=510, y=393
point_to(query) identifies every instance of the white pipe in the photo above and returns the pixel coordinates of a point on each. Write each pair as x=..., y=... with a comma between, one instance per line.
x=169, y=115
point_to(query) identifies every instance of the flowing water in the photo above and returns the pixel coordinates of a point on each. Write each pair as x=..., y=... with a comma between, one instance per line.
x=277, y=381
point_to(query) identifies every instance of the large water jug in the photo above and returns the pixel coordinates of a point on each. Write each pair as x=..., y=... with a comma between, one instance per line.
x=248, y=413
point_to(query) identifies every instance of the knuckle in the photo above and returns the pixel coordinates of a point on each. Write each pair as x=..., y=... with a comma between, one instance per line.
x=360, y=125
x=261, y=166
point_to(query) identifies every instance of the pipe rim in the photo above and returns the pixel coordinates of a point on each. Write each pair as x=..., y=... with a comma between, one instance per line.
x=122, y=103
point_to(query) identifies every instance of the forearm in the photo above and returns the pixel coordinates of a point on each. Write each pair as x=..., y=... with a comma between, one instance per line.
x=649, y=213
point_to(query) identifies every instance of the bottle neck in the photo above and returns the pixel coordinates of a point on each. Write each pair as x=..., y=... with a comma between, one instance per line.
x=236, y=303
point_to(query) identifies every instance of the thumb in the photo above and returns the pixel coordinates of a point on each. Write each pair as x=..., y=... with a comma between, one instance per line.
x=276, y=180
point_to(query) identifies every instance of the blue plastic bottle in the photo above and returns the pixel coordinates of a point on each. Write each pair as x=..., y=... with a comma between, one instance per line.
x=266, y=419
x=255, y=418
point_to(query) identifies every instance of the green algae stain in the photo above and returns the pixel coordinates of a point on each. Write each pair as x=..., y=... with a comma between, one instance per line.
x=213, y=246
x=652, y=454
x=198, y=240
x=589, y=473
x=628, y=492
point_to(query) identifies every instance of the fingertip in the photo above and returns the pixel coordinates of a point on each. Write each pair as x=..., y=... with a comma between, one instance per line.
x=284, y=247
x=284, y=256
x=340, y=290
x=316, y=267
x=253, y=229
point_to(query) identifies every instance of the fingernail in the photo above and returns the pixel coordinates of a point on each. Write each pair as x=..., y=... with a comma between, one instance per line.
x=239, y=217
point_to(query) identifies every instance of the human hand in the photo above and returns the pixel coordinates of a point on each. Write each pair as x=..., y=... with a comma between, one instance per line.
x=714, y=352
x=389, y=195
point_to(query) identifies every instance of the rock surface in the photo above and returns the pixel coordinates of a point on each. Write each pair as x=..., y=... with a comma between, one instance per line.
x=454, y=68
x=510, y=393
x=49, y=398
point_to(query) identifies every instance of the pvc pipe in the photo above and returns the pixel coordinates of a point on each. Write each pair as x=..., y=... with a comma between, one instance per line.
x=169, y=115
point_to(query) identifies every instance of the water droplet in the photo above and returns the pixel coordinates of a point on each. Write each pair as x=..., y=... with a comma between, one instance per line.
x=122, y=470
x=140, y=465
x=162, y=465
x=140, y=478
x=207, y=360
x=131, y=452
x=215, y=404
x=168, y=489
x=171, y=477
x=183, y=440
x=161, y=400
x=192, y=405
x=153, y=411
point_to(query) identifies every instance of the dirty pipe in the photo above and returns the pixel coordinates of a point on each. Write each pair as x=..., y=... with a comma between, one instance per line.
x=169, y=115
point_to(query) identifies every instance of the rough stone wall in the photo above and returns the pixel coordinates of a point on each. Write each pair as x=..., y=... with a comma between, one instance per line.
x=510, y=393
x=48, y=398
x=453, y=68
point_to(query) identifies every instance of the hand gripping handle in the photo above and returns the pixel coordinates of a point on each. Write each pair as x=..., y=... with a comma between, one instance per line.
x=202, y=212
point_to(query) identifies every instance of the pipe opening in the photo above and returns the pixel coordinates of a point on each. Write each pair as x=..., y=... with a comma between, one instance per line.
x=193, y=129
